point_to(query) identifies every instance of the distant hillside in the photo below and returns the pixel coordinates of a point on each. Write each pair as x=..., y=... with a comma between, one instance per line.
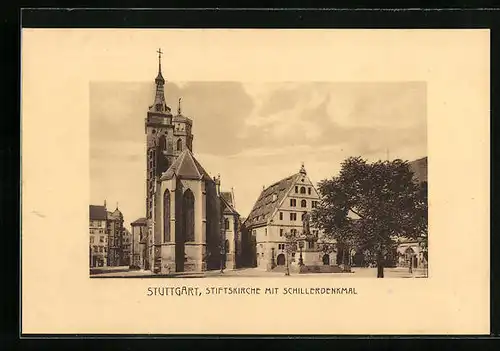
x=419, y=167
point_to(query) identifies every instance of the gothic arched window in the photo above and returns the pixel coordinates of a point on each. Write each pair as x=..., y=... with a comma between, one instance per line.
x=188, y=215
x=303, y=203
x=162, y=143
x=179, y=145
x=166, y=216
x=226, y=224
x=302, y=190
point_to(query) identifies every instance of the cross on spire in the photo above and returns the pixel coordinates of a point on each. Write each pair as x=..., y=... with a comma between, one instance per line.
x=159, y=59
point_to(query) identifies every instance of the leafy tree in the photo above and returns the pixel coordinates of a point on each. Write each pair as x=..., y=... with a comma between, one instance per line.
x=369, y=205
x=326, y=247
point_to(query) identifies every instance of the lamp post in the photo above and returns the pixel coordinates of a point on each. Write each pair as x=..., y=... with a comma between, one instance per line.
x=301, y=246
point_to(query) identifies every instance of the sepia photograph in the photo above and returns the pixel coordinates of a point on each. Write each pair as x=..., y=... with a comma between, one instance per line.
x=203, y=179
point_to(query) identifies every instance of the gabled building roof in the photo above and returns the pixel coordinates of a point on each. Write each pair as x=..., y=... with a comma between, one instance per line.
x=228, y=196
x=267, y=203
x=227, y=201
x=116, y=214
x=186, y=167
x=97, y=213
x=139, y=222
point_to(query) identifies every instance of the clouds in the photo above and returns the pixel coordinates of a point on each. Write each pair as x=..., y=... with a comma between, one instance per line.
x=371, y=117
x=256, y=133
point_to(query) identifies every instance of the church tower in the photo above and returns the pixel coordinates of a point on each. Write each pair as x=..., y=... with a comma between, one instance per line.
x=167, y=135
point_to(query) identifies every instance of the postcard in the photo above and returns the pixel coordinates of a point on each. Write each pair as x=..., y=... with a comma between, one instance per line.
x=255, y=181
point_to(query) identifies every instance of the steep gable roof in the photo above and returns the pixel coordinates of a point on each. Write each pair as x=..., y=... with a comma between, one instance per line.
x=97, y=213
x=266, y=204
x=228, y=206
x=228, y=196
x=187, y=167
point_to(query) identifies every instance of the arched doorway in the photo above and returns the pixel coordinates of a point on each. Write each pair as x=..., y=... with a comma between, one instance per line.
x=326, y=259
x=280, y=260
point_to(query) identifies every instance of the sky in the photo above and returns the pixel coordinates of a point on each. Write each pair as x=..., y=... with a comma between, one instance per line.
x=253, y=134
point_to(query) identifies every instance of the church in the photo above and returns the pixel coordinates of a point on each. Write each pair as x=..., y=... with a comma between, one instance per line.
x=192, y=226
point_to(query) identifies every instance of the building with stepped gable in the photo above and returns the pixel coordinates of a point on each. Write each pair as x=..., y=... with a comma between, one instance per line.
x=280, y=209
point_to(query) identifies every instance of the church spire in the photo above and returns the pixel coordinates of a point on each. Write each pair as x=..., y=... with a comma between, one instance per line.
x=179, y=108
x=159, y=78
x=159, y=104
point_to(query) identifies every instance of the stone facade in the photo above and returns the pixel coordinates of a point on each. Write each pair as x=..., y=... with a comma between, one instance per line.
x=280, y=209
x=107, y=245
x=115, y=231
x=232, y=231
x=410, y=252
x=138, y=234
x=98, y=242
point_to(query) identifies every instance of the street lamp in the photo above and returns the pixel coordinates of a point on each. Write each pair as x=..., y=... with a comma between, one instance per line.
x=301, y=246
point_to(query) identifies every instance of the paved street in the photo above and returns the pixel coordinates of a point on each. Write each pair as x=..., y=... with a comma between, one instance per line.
x=116, y=272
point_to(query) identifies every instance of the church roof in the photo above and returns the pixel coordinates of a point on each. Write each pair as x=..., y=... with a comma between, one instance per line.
x=182, y=118
x=187, y=167
x=228, y=196
x=139, y=221
x=265, y=206
x=227, y=199
x=97, y=213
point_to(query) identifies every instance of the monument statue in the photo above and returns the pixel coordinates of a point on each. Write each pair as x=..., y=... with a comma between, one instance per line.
x=305, y=223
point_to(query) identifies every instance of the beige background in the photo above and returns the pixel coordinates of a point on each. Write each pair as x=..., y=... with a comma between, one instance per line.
x=59, y=297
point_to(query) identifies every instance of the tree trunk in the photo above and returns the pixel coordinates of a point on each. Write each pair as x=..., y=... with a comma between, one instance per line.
x=287, y=264
x=380, y=265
